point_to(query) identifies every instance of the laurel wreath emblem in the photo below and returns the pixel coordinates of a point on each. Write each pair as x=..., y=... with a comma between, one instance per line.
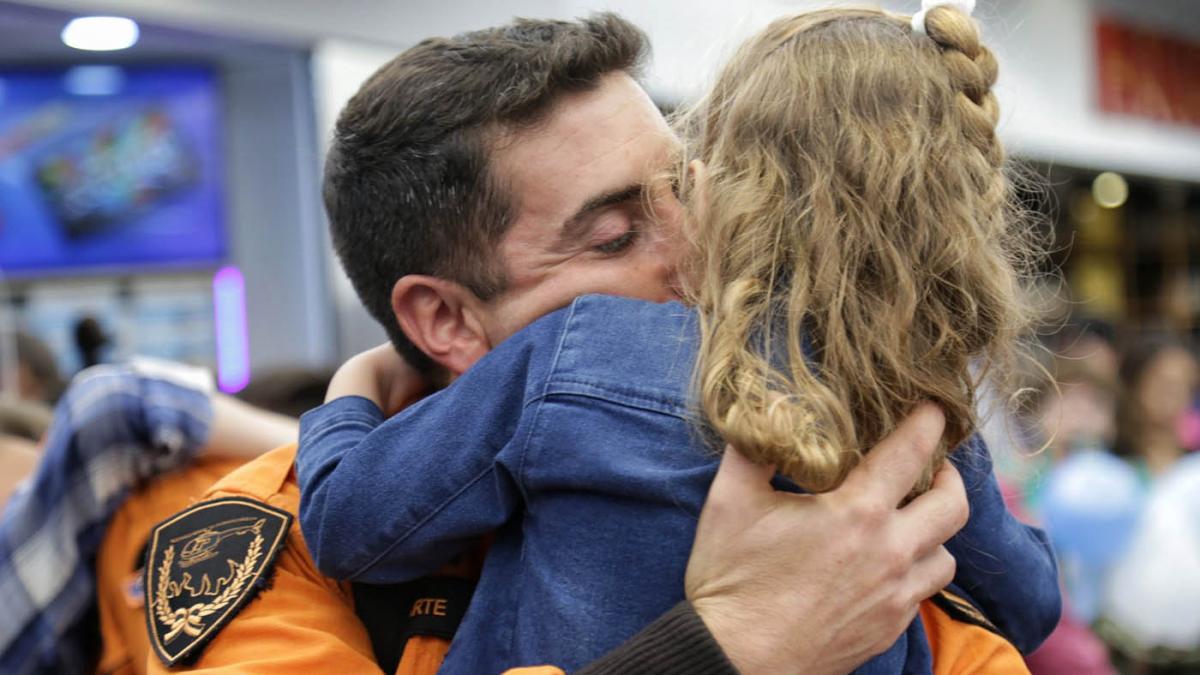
x=187, y=620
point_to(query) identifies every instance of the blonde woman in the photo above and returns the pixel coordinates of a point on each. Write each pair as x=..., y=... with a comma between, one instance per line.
x=855, y=255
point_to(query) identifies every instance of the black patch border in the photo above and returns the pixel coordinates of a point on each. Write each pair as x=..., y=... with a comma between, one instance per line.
x=253, y=586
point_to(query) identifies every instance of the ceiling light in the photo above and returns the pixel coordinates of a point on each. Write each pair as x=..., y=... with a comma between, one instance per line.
x=1110, y=190
x=100, y=33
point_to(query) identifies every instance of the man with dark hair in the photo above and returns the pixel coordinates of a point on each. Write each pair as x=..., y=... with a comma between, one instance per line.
x=474, y=184
x=458, y=178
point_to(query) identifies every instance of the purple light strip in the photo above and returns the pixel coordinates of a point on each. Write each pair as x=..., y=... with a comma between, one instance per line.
x=233, y=340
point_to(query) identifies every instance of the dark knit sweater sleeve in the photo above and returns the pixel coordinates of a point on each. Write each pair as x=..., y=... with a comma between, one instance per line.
x=678, y=642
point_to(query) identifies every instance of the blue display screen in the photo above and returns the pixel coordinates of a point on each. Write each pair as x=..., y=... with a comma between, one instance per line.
x=109, y=167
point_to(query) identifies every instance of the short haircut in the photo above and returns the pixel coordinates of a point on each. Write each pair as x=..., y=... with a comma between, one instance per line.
x=407, y=184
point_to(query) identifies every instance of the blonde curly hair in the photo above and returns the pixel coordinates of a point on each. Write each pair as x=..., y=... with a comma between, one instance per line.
x=859, y=249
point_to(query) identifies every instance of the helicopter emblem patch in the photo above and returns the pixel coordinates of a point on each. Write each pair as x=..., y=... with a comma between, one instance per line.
x=202, y=566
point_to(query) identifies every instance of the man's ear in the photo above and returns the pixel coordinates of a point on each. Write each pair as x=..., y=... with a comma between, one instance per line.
x=443, y=319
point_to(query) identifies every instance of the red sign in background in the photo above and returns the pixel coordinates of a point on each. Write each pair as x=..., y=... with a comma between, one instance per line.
x=1145, y=73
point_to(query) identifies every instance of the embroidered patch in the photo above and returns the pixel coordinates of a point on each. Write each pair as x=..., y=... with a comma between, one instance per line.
x=204, y=564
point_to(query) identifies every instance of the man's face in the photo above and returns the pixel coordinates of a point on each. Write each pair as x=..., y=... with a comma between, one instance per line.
x=581, y=182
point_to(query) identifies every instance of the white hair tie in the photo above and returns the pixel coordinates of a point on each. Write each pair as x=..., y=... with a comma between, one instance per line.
x=918, y=20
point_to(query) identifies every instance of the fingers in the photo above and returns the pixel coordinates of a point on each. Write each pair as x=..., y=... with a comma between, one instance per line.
x=932, y=518
x=892, y=467
x=932, y=573
x=740, y=481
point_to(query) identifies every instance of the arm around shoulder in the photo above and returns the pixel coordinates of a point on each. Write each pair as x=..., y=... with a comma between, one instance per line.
x=396, y=501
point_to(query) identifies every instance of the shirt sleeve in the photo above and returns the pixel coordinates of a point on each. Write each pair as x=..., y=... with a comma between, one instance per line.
x=1006, y=567
x=387, y=501
x=113, y=429
x=677, y=642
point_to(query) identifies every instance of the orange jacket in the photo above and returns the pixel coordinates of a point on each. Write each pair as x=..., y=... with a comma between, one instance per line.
x=305, y=622
x=962, y=648
x=124, y=643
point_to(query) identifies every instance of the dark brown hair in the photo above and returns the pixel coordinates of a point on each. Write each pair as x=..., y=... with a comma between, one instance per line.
x=1136, y=360
x=407, y=186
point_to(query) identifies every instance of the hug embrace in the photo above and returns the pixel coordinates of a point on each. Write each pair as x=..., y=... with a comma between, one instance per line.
x=824, y=244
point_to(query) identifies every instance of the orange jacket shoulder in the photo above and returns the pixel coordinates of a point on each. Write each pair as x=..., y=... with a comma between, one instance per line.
x=961, y=648
x=267, y=478
x=124, y=644
x=303, y=622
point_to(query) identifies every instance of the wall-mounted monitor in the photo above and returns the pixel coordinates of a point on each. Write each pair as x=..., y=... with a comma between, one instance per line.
x=109, y=169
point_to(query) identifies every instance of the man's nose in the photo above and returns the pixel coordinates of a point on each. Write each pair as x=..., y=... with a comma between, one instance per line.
x=667, y=251
x=667, y=244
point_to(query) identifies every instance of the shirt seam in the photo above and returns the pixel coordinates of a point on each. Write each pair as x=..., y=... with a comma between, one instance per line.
x=682, y=414
x=533, y=405
x=659, y=402
x=422, y=522
x=350, y=416
x=533, y=408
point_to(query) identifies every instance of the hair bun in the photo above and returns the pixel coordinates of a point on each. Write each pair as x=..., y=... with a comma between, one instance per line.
x=918, y=21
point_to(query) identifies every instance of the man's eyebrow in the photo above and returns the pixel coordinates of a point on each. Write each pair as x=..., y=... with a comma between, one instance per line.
x=578, y=224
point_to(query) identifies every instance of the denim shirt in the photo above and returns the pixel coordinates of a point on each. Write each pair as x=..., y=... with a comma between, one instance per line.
x=574, y=441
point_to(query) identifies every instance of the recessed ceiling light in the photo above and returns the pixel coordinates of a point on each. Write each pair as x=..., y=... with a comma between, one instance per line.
x=100, y=33
x=1110, y=190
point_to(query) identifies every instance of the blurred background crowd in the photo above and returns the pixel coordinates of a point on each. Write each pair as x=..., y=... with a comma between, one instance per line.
x=159, y=196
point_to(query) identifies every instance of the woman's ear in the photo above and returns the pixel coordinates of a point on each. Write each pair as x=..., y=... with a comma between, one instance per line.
x=443, y=319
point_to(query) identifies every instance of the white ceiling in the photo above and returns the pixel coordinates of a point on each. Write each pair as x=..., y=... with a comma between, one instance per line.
x=402, y=22
x=30, y=34
x=385, y=22
x=29, y=28
x=1044, y=44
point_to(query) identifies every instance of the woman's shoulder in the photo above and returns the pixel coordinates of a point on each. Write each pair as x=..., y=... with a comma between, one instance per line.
x=608, y=321
x=603, y=314
x=606, y=346
x=627, y=345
